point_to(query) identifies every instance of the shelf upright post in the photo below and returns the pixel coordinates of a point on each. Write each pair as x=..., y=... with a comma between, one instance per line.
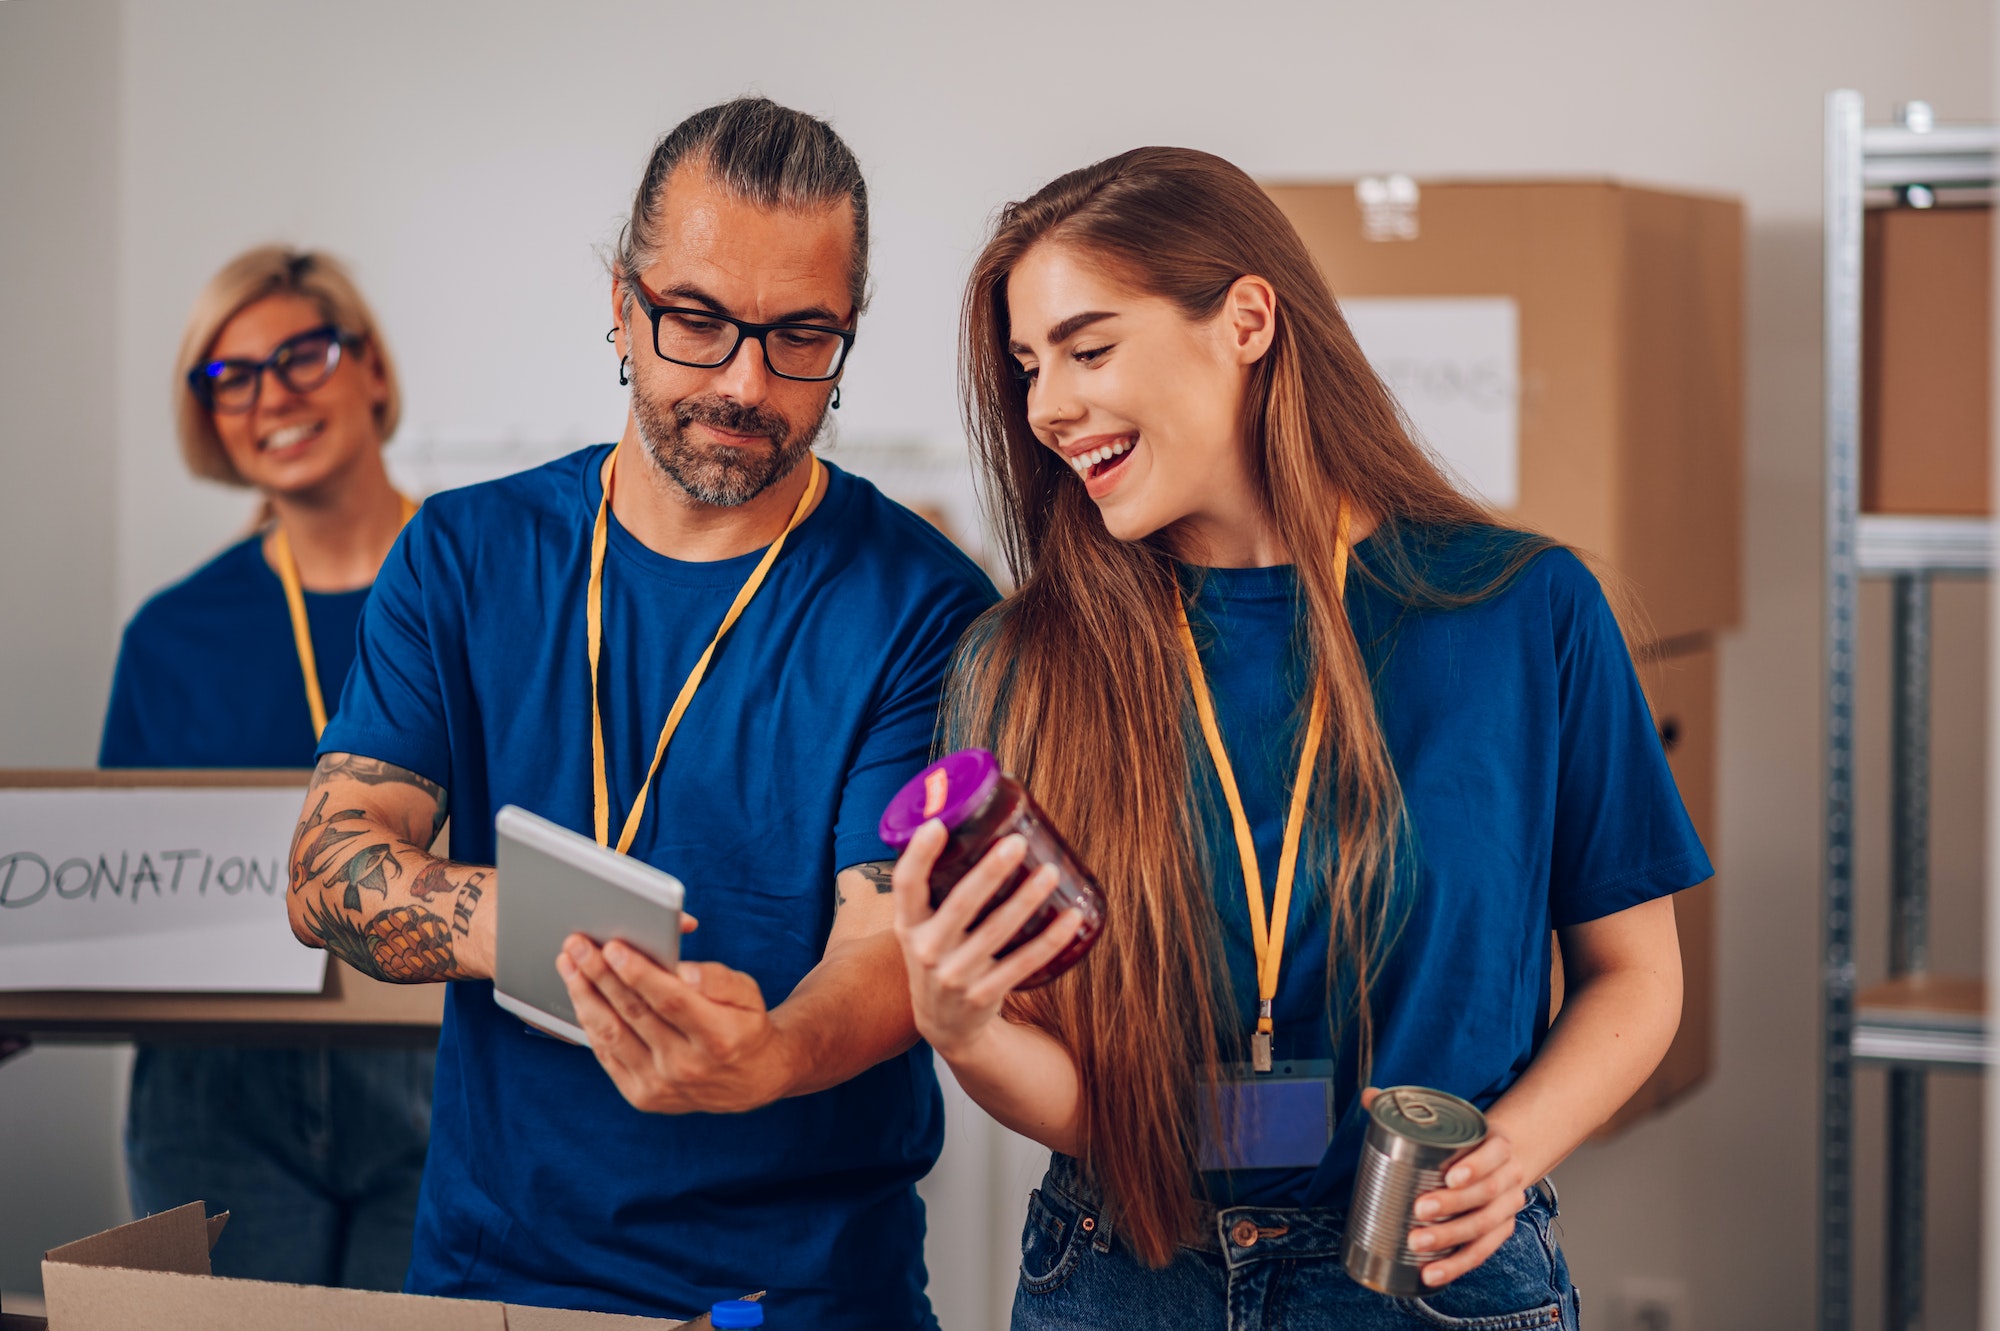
x=1909, y=942
x=1842, y=221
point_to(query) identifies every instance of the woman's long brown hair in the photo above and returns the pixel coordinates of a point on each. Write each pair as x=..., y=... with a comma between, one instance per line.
x=1077, y=681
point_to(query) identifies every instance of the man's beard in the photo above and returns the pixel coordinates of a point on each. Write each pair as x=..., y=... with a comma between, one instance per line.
x=722, y=475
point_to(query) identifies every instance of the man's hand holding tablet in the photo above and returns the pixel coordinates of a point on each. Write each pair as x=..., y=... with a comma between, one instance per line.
x=695, y=1038
x=675, y=1036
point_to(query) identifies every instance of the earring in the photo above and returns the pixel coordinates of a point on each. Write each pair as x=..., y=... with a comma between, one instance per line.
x=836, y=397
x=612, y=336
x=623, y=361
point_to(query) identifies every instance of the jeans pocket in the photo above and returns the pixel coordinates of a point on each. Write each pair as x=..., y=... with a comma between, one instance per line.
x=1515, y=1289
x=1528, y=1319
x=1048, y=1244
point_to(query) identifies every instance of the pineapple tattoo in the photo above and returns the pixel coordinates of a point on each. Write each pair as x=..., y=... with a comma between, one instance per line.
x=410, y=943
x=401, y=944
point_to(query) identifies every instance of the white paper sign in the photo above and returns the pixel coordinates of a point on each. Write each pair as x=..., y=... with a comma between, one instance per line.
x=1454, y=363
x=150, y=889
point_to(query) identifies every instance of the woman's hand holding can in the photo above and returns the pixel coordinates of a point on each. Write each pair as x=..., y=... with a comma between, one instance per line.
x=957, y=984
x=1484, y=1190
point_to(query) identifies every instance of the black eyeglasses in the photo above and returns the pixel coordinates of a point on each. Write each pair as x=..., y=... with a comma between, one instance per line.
x=302, y=363
x=705, y=340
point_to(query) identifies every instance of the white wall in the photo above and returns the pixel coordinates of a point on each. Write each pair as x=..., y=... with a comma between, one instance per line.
x=59, y=1109
x=58, y=384
x=470, y=158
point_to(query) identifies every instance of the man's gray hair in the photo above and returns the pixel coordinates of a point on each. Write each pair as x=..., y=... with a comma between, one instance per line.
x=764, y=153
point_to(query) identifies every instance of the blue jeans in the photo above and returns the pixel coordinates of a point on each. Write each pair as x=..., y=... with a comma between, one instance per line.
x=1075, y=1274
x=316, y=1153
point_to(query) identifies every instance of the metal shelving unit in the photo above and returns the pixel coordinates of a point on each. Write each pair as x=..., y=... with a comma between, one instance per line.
x=1916, y=1023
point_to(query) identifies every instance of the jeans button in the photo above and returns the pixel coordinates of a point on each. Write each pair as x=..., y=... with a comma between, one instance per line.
x=1243, y=1233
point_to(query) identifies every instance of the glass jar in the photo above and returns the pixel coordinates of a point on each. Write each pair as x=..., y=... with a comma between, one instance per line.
x=978, y=805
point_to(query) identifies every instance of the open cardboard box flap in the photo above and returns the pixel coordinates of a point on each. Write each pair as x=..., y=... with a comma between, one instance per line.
x=154, y=1272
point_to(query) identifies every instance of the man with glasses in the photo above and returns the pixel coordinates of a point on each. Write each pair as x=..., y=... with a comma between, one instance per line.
x=722, y=656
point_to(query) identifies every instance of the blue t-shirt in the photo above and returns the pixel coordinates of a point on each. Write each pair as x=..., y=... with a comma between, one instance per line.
x=544, y=1186
x=208, y=674
x=1537, y=792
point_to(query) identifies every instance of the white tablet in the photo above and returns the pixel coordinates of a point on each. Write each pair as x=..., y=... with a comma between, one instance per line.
x=554, y=883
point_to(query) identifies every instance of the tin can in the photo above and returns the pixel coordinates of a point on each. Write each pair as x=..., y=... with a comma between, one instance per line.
x=1414, y=1134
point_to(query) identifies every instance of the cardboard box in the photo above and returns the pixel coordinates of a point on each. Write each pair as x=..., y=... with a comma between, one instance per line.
x=154, y=1273
x=1926, y=358
x=351, y=1008
x=1681, y=684
x=1630, y=371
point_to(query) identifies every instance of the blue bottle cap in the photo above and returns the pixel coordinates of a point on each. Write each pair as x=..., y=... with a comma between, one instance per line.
x=736, y=1313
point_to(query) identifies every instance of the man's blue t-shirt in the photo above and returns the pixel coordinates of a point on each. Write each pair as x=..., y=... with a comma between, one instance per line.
x=208, y=674
x=1537, y=792
x=544, y=1186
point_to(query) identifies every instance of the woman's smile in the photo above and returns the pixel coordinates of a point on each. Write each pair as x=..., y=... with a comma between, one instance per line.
x=1098, y=457
x=288, y=441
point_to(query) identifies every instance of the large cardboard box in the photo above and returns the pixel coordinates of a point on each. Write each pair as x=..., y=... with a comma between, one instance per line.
x=350, y=1008
x=1926, y=378
x=154, y=1273
x=1630, y=376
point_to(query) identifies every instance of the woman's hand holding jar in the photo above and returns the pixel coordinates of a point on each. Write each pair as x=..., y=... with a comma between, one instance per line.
x=957, y=979
x=1019, y=1074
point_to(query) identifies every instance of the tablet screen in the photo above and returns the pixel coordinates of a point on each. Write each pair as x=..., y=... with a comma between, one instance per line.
x=554, y=883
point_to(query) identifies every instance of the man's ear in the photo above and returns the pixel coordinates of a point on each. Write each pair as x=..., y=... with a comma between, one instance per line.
x=618, y=301
x=1250, y=316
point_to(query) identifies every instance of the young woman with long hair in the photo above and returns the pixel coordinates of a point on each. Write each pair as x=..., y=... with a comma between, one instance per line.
x=1260, y=639
x=285, y=387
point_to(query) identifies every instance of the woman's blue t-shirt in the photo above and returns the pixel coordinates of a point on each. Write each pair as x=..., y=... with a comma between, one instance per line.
x=208, y=674
x=544, y=1186
x=1538, y=796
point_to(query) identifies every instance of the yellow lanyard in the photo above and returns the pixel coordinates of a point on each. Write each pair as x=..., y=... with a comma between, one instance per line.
x=295, y=601
x=1267, y=937
x=594, y=626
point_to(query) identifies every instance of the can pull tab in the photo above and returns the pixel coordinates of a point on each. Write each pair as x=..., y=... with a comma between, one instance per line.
x=1418, y=1112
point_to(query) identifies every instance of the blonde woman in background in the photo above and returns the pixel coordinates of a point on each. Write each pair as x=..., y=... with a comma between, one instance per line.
x=283, y=386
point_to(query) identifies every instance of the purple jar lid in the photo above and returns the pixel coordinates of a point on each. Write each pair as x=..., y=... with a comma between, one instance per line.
x=950, y=790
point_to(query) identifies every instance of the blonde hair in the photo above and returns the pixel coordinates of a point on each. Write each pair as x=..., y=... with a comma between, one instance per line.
x=269, y=270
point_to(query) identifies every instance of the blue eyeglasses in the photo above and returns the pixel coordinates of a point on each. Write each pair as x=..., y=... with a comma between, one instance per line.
x=302, y=363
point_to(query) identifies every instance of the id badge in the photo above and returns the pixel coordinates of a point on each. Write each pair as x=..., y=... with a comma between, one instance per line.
x=1281, y=1119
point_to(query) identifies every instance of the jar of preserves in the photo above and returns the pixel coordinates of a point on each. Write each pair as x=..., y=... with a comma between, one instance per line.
x=978, y=805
